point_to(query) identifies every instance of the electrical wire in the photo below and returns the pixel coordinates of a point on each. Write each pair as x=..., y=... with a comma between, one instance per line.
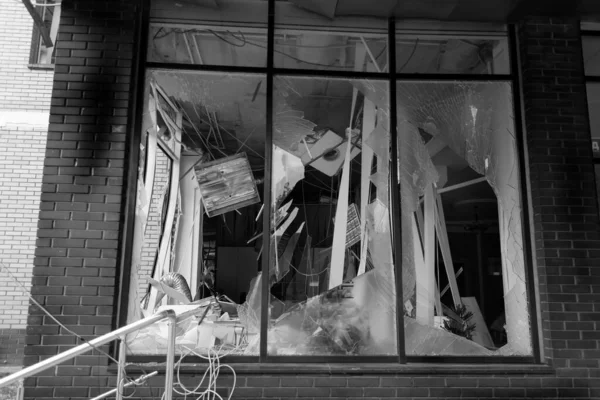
x=412, y=53
x=252, y=43
x=206, y=389
x=43, y=309
x=52, y=317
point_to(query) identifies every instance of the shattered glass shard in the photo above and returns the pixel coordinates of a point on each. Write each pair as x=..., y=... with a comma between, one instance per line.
x=428, y=340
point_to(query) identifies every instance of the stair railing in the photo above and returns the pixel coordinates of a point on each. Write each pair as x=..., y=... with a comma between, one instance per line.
x=120, y=333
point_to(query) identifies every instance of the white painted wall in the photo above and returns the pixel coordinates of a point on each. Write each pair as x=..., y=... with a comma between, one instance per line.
x=24, y=109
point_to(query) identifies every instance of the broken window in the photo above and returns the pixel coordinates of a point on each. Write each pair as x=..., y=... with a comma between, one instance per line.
x=464, y=289
x=198, y=209
x=332, y=275
x=306, y=40
x=454, y=49
x=209, y=32
x=330, y=281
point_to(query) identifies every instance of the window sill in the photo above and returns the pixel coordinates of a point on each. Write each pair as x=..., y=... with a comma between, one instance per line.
x=358, y=369
x=46, y=67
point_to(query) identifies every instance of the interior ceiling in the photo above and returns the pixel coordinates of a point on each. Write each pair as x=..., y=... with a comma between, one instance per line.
x=452, y=10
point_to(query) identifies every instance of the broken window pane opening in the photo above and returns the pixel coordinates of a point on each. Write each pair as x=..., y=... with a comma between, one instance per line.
x=463, y=268
x=457, y=48
x=330, y=51
x=309, y=40
x=207, y=45
x=227, y=32
x=198, y=209
x=330, y=191
x=331, y=271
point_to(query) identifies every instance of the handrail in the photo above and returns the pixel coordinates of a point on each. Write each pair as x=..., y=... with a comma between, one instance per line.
x=106, y=338
x=135, y=382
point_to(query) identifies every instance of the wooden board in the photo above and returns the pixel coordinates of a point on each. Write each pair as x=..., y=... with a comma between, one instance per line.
x=445, y=249
x=163, y=259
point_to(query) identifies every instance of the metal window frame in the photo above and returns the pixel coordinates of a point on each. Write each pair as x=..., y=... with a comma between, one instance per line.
x=595, y=79
x=270, y=71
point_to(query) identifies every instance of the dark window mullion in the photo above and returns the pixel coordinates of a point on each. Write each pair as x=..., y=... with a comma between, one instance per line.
x=395, y=188
x=518, y=112
x=264, y=311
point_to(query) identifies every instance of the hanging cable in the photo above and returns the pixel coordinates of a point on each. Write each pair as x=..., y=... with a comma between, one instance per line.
x=45, y=311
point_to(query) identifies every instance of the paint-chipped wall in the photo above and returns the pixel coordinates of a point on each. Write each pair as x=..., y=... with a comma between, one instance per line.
x=24, y=109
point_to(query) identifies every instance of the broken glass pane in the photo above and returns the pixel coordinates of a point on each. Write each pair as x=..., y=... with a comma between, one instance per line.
x=332, y=279
x=192, y=253
x=451, y=49
x=307, y=40
x=209, y=32
x=463, y=267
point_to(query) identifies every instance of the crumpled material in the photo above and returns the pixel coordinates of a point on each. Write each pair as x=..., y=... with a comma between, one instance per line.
x=428, y=340
x=287, y=171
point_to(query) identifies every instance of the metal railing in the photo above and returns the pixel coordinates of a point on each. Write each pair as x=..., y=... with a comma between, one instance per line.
x=107, y=338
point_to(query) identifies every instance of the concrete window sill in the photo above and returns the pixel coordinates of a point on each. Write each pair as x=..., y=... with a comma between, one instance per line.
x=41, y=67
x=361, y=369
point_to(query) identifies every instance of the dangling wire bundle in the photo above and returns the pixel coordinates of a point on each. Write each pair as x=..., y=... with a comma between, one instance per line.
x=207, y=387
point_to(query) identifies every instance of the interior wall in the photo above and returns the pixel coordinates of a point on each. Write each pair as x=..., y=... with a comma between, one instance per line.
x=236, y=267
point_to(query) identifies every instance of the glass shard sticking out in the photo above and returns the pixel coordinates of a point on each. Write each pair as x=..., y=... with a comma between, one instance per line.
x=306, y=40
x=332, y=278
x=192, y=254
x=463, y=267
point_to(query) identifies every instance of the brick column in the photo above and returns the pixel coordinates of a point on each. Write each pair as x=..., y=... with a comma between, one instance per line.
x=81, y=203
x=567, y=245
x=24, y=105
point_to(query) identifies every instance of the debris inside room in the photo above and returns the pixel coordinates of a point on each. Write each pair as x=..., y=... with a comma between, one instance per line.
x=332, y=265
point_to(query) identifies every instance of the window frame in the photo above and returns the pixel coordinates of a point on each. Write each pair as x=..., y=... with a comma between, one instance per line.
x=392, y=77
x=591, y=30
x=36, y=36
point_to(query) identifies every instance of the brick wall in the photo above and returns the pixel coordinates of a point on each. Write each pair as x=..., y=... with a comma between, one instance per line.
x=11, y=346
x=162, y=176
x=79, y=228
x=21, y=162
x=24, y=105
x=564, y=197
x=404, y=386
x=79, y=221
x=21, y=87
